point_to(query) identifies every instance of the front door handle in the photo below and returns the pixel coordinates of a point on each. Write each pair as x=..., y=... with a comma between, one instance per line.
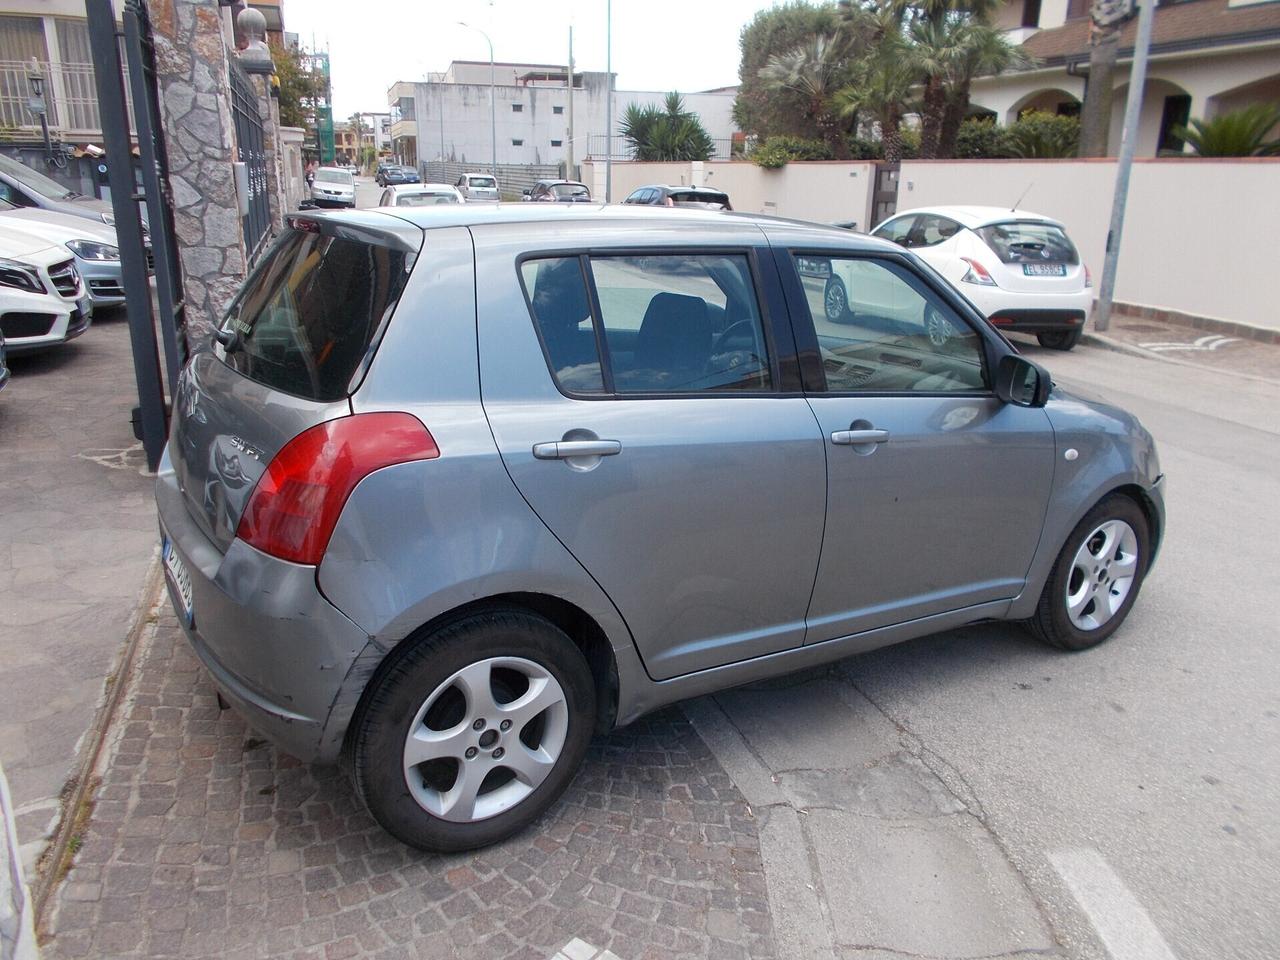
x=564, y=449
x=847, y=438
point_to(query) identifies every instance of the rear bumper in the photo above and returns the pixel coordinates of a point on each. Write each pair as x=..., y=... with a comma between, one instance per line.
x=1031, y=312
x=1039, y=321
x=273, y=646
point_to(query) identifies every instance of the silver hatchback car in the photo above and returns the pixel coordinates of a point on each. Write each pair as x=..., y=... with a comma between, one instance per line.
x=457, y=487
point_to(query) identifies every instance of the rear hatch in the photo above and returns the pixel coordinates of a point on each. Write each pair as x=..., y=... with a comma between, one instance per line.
x=293, y=346
x=1030, y=256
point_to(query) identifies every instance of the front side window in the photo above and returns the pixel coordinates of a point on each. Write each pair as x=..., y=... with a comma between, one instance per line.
x=307, y=315
x=882, y=330
x=666, y=324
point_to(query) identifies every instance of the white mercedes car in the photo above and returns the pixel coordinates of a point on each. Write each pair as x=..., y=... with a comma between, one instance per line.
x=1019, y=268
x=42, y=297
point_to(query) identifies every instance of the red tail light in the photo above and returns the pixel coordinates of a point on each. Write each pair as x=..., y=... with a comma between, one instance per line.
x=296, y=504
x=1088, y=277
x=977, y=273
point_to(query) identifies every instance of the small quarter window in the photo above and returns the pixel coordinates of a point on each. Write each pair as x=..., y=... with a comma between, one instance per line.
x=557, y=293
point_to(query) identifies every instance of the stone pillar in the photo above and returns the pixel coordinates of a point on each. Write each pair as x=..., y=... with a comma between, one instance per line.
x=195, y=100
x=255, y=57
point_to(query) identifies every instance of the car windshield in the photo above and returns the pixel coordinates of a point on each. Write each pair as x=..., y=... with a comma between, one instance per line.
x=1029, y=242
x=483, y=182
x=34, y=180
x=570, y=190
x=333, y=176
x=425, y=199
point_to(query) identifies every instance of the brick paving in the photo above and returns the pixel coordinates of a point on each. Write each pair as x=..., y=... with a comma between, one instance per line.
x=207, y=842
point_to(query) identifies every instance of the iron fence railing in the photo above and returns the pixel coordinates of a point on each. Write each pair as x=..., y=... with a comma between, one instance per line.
x=721, y=149
x=70, y=97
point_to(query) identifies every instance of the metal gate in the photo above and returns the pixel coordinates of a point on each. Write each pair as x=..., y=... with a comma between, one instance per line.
x=256, y=219
x=137, y=250
x=884, y=200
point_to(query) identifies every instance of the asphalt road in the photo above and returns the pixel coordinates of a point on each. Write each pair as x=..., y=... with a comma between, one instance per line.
x=1159, y=752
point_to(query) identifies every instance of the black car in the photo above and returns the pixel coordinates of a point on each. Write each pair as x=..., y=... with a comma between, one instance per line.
x=558, y=191
x=664, y=195
x=392, y=174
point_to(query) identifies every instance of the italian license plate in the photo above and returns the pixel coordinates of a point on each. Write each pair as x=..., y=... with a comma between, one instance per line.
x=176, y=571
x=1044, y=269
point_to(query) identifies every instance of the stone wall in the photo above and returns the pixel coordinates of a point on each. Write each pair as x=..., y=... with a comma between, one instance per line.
x=191, y=60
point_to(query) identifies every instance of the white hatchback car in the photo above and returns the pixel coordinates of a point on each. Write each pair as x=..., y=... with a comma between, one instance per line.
x=419, y=195
x=478, y=186
x=1019, y=268
x=334, y=187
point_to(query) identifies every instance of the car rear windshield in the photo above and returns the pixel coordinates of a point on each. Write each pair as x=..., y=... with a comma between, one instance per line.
x=483, y=182
x=699, y=196
x=570, y=190
x=1023, y=242
x=425, y=199
x=309, y=312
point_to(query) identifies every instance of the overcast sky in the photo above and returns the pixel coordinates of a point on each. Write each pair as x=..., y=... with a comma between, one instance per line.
x=680, y=45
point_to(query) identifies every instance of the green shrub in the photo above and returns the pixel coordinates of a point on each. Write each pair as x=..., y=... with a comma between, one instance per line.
x=777, y=151
x=1237, y=133
x=980, y=138
x=1039, y=134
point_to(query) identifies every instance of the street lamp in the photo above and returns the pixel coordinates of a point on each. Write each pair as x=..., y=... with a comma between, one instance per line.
x=493, y=115
x=36, y=104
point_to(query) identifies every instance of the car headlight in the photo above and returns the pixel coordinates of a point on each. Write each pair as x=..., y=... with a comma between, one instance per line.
x=20, y=276
x=108, y=219
x=92, y=250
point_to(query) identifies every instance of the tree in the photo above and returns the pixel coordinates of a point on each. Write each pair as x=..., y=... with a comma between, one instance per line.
x=985, y=52
x=1106, y=19
x=815, y=71
x=882, y=79
x=298, y=87
x=669, y=132
x=1238, y=133
x=763, y=111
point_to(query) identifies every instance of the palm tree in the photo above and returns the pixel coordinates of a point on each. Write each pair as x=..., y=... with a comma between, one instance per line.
x=815, y=70
x=986, y=52
x=1107, y=18
x=938, y=49
x=881, y=88
x=670, y=132
x=1239, y=133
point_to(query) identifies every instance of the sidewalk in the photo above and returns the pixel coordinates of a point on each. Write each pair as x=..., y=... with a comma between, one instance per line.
x=79, y=536
x=1181, y=343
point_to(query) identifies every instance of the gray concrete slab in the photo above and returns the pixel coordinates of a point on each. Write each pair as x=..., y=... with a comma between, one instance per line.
x=79, y=536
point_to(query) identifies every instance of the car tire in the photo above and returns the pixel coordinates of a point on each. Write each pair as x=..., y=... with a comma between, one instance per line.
x=477, y=784
x=835, y=300
x=1059, y=339
x=1096, y=578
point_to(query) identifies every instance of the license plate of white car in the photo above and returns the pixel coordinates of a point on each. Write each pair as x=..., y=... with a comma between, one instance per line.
x=178, y=576
x=1044, y=269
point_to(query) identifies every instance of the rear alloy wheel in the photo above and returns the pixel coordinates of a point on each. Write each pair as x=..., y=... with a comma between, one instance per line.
x=474, y=731
x=1096, y=577
x=1059, y=339
x=835, y=300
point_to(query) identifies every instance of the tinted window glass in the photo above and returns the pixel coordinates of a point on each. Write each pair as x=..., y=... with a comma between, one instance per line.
x=307, y=314
x=484, y=182
x=1029, y=243
x=700, y=198
x=570, y=190
x=557, y=294
x=896, y=230
x=425, y=199
x=882, y=330
x=680, y=323
x=930, y=230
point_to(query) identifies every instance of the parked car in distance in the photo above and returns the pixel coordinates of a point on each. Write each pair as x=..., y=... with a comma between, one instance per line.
x=24, y=187
x=42, y=298
x=395, y=173
x=419, y=195
x=478, y=186
x=558, y=191
x=479, y=454
x=334, y=187
x=1019, y=268
x=664, y=195
x=92, y=244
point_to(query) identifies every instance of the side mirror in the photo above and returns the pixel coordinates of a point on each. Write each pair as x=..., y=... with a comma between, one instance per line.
x=1021, y=382
x=527, y=190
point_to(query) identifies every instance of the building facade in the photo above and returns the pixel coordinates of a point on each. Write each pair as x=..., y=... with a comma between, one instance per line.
x=447, y=116
x=1207, y=57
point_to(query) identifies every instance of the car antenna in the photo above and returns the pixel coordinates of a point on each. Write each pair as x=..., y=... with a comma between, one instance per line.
x=1023, y=197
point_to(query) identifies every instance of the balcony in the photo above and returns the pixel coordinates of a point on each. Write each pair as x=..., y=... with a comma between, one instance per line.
x=70, y=97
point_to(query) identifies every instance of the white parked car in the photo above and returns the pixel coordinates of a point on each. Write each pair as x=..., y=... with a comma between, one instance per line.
x=1019, y=268
x=478, y=186
x=334, y=187
x=419, y=195
x=42, y=298
x=93, y=245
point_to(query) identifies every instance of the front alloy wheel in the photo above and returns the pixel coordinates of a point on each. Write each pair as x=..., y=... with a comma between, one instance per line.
x=835, y=300
x=1102, y=574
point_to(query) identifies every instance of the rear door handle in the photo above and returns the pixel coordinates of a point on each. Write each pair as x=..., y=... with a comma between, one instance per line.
x=564, y=449
x=847, y=438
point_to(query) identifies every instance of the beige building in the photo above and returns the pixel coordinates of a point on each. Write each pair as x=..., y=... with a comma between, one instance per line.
x=1207, y=57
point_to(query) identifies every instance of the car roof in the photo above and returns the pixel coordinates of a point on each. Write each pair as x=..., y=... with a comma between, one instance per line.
x=973, y=216
x=798, y=233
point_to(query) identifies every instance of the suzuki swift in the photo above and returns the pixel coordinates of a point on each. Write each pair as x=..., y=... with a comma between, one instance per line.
x=456, y=487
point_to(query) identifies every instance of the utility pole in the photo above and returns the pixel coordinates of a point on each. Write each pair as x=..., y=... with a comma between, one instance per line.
x=608, y=102
x=493, y=115
x=1128, y=145
x=569, y=174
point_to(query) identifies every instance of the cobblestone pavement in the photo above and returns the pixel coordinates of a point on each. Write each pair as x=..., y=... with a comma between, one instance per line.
x=206, y=842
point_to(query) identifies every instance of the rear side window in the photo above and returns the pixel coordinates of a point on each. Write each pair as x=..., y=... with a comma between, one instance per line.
x=662, y=324
x=1023, y=242
x=309, y=312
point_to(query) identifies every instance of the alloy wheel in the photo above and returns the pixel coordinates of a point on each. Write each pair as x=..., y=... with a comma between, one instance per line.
x=1102, y=574
x=835, y=301
x=485, y=739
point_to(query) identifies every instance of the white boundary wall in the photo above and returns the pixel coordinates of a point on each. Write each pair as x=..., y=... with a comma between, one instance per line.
x=1200, y=236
